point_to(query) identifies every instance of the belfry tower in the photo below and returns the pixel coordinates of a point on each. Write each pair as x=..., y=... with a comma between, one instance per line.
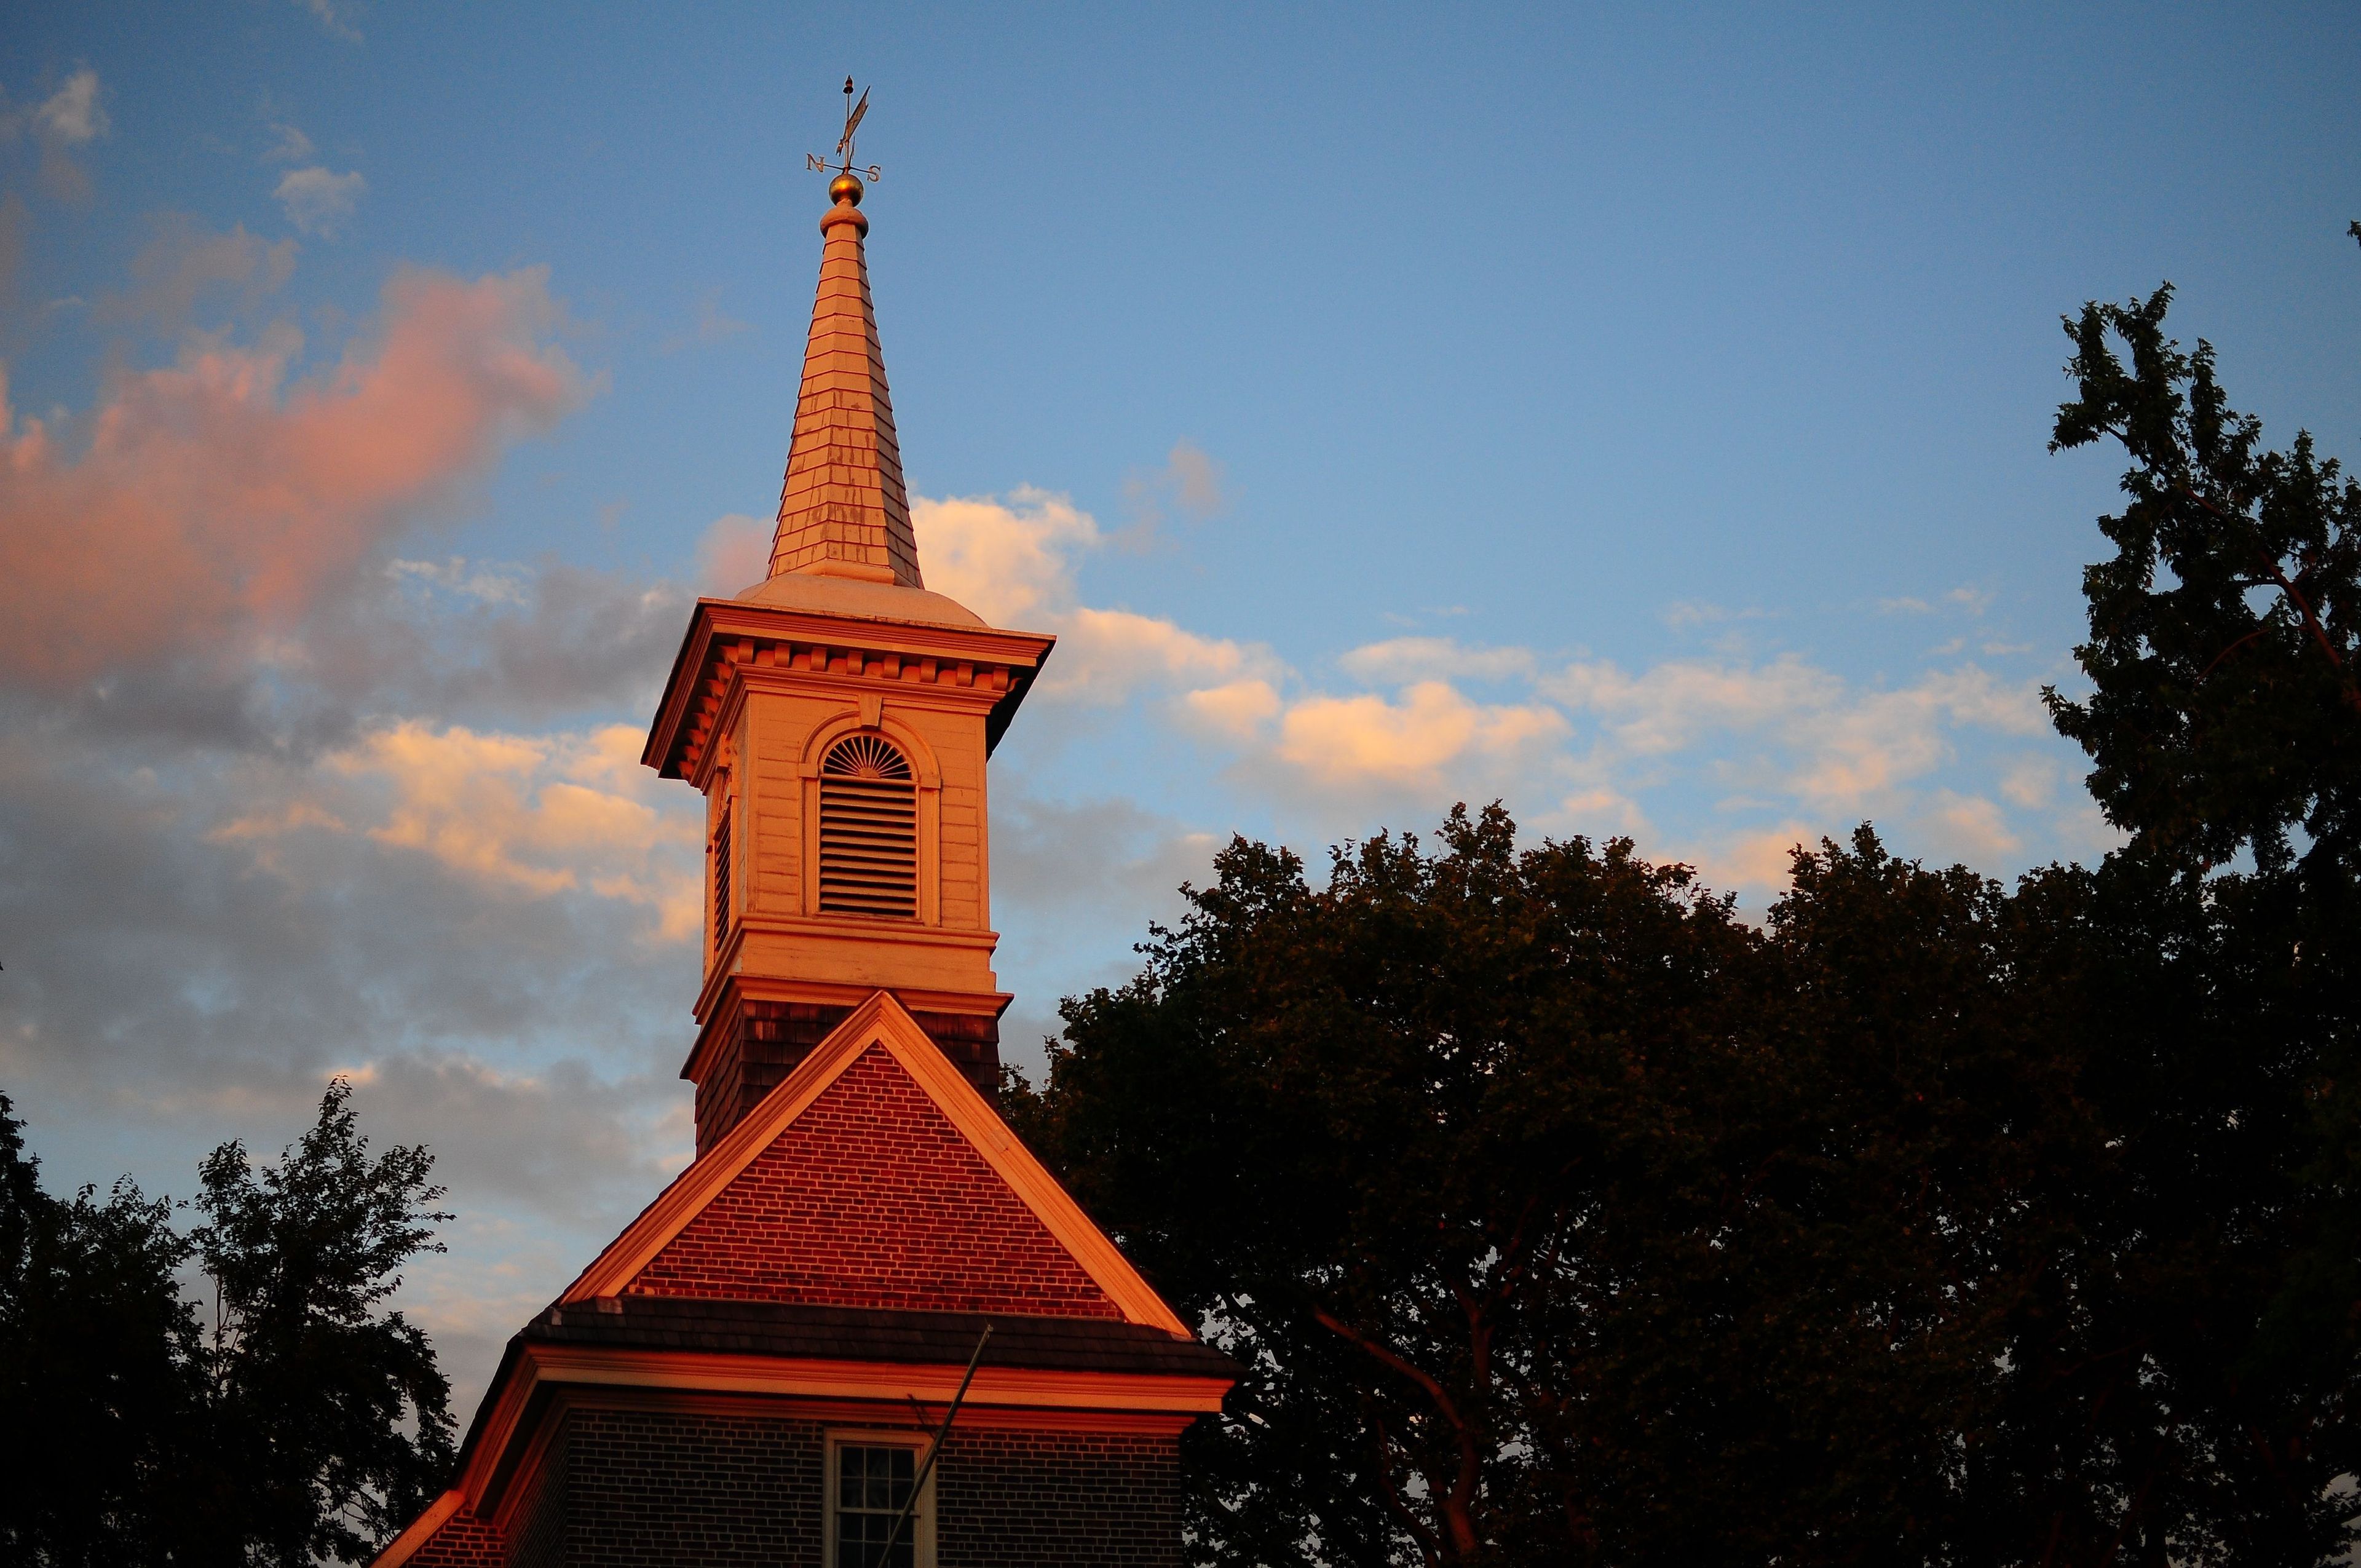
x=837, y=717
x=865, y=1327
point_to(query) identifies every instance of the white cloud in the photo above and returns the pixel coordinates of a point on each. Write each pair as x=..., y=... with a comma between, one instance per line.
x=1103, y=655
x=2030, y=781
x=1410, y=740
x=1235, y=712
x=288, y=145
x=1789, y=735
x=1843, y=747
x=72, y=116
x=184, y=262
x=534, y=815
x=712, y=324
x=336, y=17
x=733, y=554
x=317, y=201
x=1973, y=600
x=485, y=582
x=1666, y=708
x=1758, y=862
x=1970, y=826
x=1014, y=564
x=250, y=497
x=1191, y=480
x=1683, y=614
x=1596, y=813
x=1402, y=659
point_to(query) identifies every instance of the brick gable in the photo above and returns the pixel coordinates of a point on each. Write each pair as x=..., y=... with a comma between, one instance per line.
x=871, y=1198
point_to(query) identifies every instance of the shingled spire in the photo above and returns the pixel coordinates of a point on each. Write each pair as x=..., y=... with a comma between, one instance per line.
x=842, y=510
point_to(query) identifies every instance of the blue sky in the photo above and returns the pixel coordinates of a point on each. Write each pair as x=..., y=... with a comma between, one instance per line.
x=1638, y=416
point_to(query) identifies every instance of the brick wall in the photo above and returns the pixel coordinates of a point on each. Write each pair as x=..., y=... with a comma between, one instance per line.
x=762, y=1042
x=646, y=1486
x=463, y=1542
x=872, y=1198
x=1056, y=1499
x=537, y=1529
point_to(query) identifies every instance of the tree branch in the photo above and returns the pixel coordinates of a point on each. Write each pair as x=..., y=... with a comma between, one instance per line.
x=1457, y=1505
x=1430, y=1547
x=2295, y=596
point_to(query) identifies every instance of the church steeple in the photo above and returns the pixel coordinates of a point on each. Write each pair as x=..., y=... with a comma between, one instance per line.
x=756, y=1367
x=842, y=510
x=836, y=716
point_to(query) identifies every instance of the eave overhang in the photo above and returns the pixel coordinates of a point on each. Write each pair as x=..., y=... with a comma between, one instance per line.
x=1037, y=1371
x=728, y=641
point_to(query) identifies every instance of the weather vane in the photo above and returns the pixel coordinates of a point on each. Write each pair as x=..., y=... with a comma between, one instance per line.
x=852, y=113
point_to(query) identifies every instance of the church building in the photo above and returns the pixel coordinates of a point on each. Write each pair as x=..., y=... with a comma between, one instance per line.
x=763, y=1367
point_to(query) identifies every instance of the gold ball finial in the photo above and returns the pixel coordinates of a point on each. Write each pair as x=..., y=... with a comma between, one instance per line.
x=845, y=189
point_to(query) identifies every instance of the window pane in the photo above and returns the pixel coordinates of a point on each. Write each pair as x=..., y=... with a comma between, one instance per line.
x=873, y=1484
x=860, y=1543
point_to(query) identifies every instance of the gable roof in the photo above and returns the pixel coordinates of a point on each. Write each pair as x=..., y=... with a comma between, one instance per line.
x=879, y=1025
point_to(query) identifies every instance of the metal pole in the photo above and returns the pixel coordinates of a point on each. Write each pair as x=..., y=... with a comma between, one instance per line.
x=918, y=1483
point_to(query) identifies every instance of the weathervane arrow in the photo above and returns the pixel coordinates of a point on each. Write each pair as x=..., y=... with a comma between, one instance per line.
x=844, y=165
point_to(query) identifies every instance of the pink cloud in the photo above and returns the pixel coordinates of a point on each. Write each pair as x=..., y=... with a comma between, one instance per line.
x=733, y=556
x=215, y=503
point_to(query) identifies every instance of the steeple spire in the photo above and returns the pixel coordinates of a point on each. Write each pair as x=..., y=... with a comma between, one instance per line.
x=842, y=510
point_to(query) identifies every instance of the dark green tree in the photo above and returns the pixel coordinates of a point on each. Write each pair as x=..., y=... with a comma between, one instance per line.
x=2226, y=709
x=1558, y=1215
x=303, y=1423
x=2223, y=1279
x=330, y=1421
x=97, y=1369
x=1362, y=1129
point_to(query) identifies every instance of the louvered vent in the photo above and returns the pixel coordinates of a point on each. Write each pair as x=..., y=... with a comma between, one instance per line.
x=721, y=880
x=868, y=830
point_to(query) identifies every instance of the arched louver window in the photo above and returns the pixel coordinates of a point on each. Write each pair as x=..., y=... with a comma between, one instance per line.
x=868, y=830
x=721, y=880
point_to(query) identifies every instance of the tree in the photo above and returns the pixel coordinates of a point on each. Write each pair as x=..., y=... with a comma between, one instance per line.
x=2225, y=729
x=1558, y=1215
x=2226, y=634
x=308, y=1385
x=302, y=1423
x=1383, y=1102
x=97, y=1354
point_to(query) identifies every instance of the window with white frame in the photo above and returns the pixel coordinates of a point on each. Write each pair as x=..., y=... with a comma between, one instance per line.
x=871, y=1477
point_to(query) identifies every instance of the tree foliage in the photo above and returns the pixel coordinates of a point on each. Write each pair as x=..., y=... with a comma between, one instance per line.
x=310, y=1386
x=1557, y=1214
x=2225, y=634
x=300, y=1423
x=98, y=1369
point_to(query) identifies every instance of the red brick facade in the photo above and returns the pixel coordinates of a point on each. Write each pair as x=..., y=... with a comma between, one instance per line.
x=871, y=1198
x=1018, y=1499
x=646, y=1486
x=755, y=1045
x=463, y=1542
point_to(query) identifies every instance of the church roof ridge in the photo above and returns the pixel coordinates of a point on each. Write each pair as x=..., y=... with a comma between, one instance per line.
x=843, y=510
